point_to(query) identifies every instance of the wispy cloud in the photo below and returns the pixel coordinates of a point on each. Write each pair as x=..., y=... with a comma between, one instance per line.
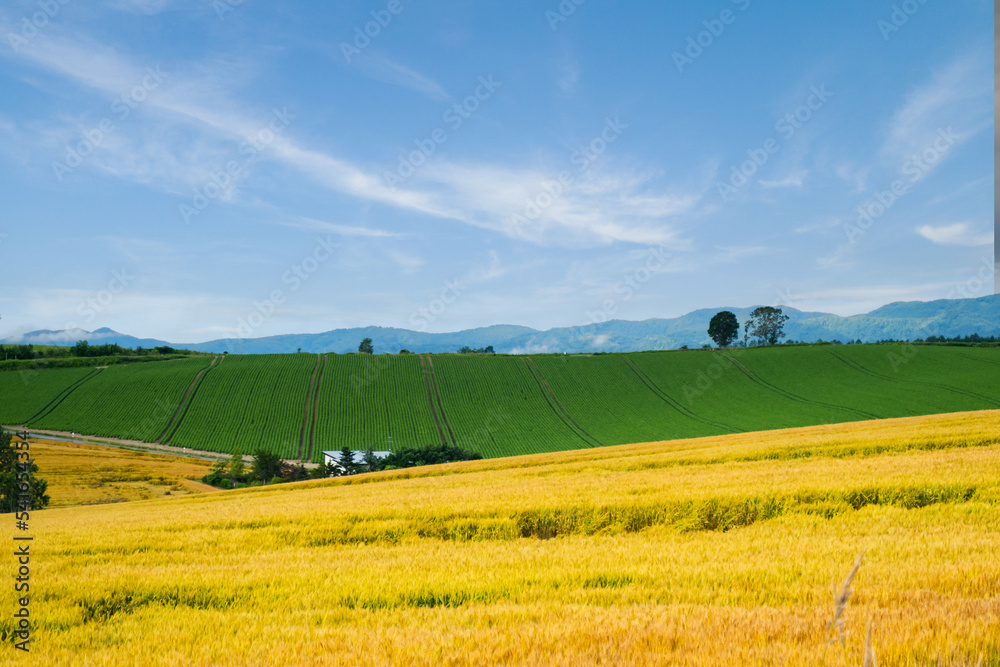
x=959, y=233
x=140, y=6
x=846, y=301
x=728, y=254
x=388, y=71
x=568, y=76
x=959, y=95
x=407, y=262
x=820, y=226
x=311, y=224
x=199, y=128
x=793, y=180
x=491, y=269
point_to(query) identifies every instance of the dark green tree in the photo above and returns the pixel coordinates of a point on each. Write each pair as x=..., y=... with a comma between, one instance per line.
x=724, y=328
x=266, y=465
x=299, y=473
x=347, y=461
x=12, y=475
x=236, y=467
x=366, y=347
x=326, y=469
x=408, y=457
x=217, y=476
x=372, y=462
x=767, y=325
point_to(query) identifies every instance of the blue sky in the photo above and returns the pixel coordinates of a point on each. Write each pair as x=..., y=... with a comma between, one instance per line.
x=199, y=169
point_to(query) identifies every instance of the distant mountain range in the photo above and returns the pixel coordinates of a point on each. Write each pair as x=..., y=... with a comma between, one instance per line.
x=899, y=321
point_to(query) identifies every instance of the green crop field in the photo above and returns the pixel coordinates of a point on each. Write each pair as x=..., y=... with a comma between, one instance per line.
x=298, y=405
x=247, y=402
x=27, y=393
x=493, y=406
x=129, y=401
x=371, y=401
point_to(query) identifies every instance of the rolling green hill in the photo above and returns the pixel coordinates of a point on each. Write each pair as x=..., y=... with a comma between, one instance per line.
x=299, y=405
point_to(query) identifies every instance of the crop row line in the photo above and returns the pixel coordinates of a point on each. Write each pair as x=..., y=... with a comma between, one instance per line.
x=557, y=407
x=315, y=400
x=198, y=381
x=61, y=396
x=867, y=371
x=743, y=368
x=652, y=386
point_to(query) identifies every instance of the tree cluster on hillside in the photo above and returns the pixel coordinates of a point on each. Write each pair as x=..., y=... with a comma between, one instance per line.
x=84, y=349
x=81, y=349
x=15, y=472
x=766, y=326
x=17, y=352
x=409, y=457
x=974, y=338
x=266, y=468
x=482, y=350
x=404, y=457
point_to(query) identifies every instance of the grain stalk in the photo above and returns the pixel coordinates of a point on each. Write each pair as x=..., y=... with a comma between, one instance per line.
x=869, y=660
x=835, y=628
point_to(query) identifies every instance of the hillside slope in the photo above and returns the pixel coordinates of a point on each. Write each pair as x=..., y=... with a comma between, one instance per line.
x=301, y=405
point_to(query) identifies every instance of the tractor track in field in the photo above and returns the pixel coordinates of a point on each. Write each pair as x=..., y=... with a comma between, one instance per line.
x=557, y=408
x=789, y=395
x=305, y=408
x=975, y=358
x=646, y=380
x=187, y=406
x=312, y=425
x=61, y=396
x=867, y=371
x=184, y=398
x=437, y=392
x=430, y=399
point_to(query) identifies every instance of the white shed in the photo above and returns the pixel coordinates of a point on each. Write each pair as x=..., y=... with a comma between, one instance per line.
x=357, y=456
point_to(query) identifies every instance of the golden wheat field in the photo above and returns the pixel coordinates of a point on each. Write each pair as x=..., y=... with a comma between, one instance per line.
x=82, y=474
x=715, y=551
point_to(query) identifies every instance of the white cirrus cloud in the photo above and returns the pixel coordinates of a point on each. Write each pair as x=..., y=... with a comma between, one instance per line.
x=190, y=124
x=959, y=233
x=958, y=95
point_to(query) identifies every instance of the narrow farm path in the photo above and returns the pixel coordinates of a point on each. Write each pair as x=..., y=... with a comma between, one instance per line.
x=61, y=396
x=646, y=380
x=867, y=371
x=557, y=408
x=315, y=404
x=306, y=408
x=437, y=392
x=789, y=395
x=430, y=398
x=184, y=398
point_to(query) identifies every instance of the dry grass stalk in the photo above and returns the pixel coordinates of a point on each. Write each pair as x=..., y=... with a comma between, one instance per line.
x=869, y=660
x=840, y=598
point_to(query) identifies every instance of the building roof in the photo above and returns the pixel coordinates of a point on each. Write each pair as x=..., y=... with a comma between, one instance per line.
x=357, y=456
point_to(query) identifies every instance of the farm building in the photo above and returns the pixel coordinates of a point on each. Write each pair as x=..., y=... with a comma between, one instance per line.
x=357, y=456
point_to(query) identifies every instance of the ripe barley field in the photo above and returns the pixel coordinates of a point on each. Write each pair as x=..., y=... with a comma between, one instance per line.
x=83, y=474
x=723, y=550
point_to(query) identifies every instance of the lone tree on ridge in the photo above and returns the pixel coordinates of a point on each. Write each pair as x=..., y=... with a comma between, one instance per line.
x=366, y=347
x=767, y=325
x=724, y=328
